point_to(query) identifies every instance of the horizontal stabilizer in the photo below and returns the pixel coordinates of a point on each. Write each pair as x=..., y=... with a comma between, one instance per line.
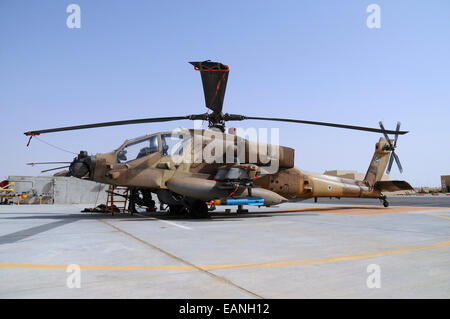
x=392, y=186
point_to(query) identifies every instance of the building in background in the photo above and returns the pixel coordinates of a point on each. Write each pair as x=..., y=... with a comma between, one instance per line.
x=445, y=183
x=57, y=190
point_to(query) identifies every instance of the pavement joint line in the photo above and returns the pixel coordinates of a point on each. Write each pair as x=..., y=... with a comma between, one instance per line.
x=187, y=263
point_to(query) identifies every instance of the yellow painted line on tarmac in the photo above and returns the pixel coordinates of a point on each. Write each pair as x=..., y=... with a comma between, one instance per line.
x=446, y=217
x=333, y=259
x=234, y=266
x=361, y=210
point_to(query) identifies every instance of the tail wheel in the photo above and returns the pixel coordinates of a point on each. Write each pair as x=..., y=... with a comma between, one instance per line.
x=384, y=200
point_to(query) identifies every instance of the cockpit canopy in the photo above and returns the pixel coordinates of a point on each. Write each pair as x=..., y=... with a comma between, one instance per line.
x=168, y=144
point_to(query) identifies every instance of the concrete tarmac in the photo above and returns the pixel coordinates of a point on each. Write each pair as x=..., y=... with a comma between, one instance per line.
x=296, y=250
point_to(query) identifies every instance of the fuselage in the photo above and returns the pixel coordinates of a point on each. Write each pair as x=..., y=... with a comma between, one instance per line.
x=152, y=161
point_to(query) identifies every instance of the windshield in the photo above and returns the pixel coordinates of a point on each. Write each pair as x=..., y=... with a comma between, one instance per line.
x=174, y=144
x=138, y=149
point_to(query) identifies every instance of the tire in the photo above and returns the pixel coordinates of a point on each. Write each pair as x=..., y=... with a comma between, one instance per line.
x=198, y=209
x=140, y=197
x=176, y=210
x=386, y=203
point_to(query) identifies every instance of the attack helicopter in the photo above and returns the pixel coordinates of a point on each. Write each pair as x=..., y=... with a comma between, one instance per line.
x=171, y=165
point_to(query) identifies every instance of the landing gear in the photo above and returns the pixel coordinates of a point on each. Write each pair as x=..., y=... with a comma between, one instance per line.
x=241, y=210
x=384, y=201
x=141, y=197
x=175, y=210
x=198, y=209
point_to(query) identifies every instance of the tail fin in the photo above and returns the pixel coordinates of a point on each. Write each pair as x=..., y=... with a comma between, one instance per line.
x=379, y=162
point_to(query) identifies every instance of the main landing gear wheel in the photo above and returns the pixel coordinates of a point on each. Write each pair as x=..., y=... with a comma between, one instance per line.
x=385, y=202
x=198, y=209
x=176, y=210
x=142, y=198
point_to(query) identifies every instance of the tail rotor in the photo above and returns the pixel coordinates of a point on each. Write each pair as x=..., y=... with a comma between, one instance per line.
x=391, y=147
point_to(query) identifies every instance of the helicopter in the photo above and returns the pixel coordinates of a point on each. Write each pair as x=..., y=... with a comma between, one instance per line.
x=236, y=171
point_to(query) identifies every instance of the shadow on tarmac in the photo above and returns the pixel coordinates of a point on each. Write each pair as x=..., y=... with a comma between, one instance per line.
x=215, y=216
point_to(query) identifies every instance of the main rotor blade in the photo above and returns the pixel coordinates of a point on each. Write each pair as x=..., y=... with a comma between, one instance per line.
x=53, y=169
x=205, y=116
x=115, y=123
x=397, y=160
x=350, y=127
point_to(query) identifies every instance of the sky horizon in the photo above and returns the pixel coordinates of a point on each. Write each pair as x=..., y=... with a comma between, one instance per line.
x=309, y=60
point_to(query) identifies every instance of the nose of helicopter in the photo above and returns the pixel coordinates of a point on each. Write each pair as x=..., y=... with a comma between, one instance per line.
x=83, y=165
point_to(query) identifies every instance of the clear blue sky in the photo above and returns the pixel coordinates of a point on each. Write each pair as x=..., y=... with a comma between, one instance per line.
x=313, y=60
